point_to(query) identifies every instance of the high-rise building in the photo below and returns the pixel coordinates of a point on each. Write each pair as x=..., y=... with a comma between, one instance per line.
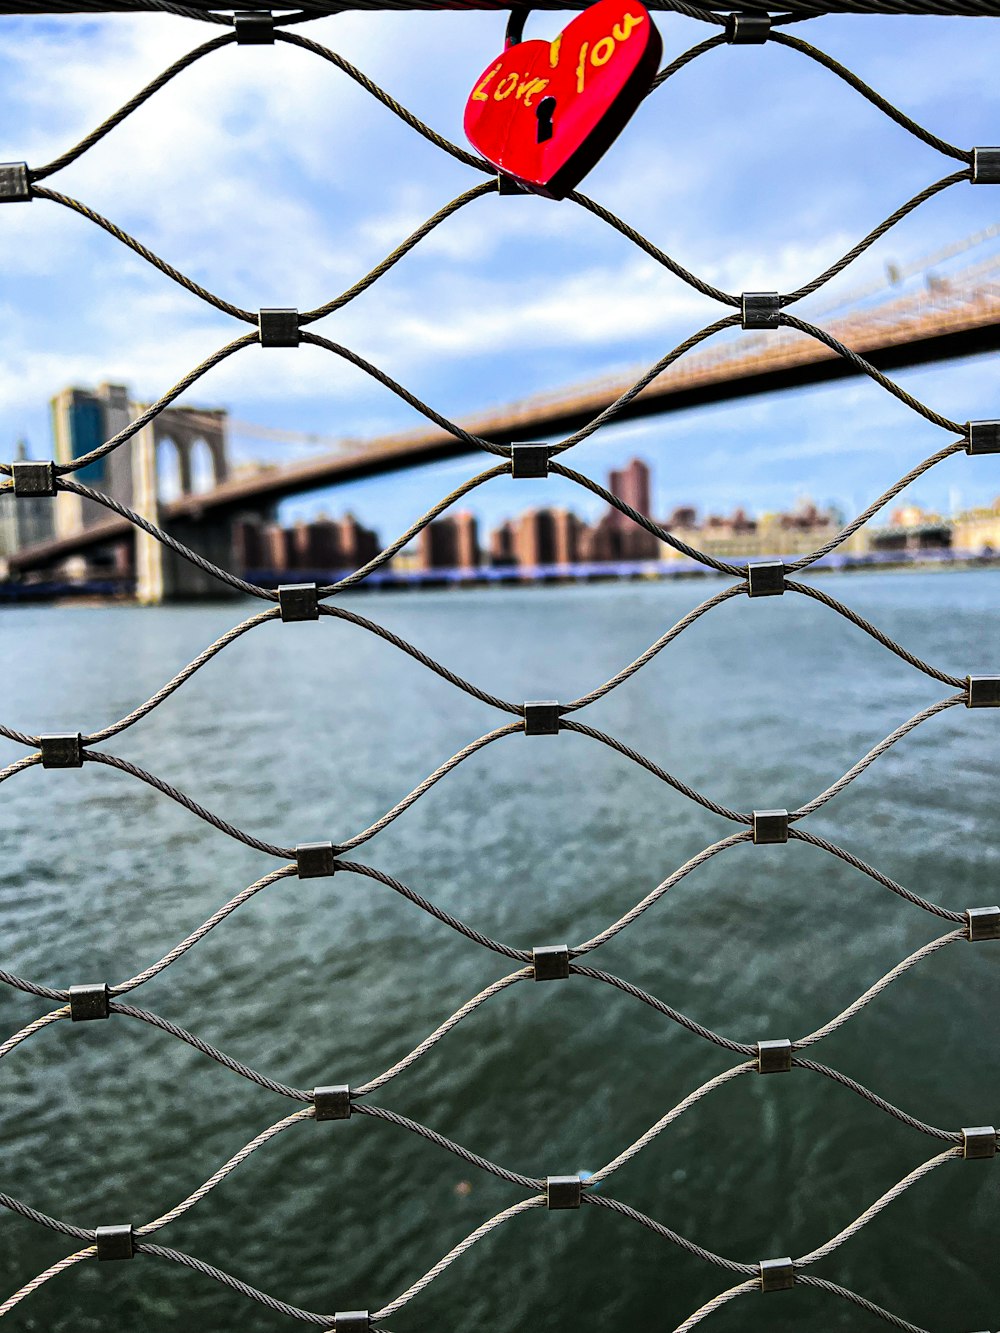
x=534, y=538
x=324, y=545
x=276, y=548
x=631, y=485
x=566, y=537
x=451, y=542
x=437, y=545
x=248, y=545
x=605, y=540
x=315, y=545
x=616, y=536
x=358, y=544
x=502, y=545
x=83, y=420
x=466, y=540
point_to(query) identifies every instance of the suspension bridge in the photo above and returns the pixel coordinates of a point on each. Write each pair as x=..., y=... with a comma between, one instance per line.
x=950, y=314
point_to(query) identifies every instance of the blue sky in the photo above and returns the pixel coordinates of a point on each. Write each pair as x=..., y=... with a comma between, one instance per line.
x=267, y=175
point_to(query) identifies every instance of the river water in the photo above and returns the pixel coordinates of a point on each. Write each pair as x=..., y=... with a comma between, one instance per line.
x=313, y=731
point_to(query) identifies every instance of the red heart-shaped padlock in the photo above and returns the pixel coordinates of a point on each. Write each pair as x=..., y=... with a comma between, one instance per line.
x=545, y=112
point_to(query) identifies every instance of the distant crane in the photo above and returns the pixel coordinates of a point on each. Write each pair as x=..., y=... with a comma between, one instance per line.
x=311, y=441
x=897, y=274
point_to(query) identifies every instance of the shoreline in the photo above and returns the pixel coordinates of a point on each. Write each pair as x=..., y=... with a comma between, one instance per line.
x=100, y=593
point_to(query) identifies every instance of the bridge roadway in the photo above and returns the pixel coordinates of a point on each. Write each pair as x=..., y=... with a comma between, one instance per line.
x=892, y=338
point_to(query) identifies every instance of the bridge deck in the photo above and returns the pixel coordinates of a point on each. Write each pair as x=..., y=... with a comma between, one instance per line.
x=891, y=338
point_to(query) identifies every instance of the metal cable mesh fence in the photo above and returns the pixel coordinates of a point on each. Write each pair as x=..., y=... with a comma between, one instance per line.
x=20, y=183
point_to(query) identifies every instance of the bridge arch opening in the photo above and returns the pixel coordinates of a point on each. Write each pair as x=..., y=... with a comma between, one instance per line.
x=171, y=469
x=203, y=467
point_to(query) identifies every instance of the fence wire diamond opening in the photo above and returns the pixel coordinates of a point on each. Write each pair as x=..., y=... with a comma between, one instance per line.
x=88, y=1000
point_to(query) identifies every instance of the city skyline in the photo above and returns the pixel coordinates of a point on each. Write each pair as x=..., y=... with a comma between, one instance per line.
x=535, y=536
x=542, y=537
x=82, y=418
x=187, y=452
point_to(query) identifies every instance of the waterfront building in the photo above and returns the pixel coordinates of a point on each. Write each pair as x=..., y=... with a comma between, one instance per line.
x=358, y=544
x=501, y=545
x=567, y=529
x=277, y=548
x=911, y=528
x=978, y=530
x=738, y=536
x=316, y=545
x=451, y=542
x=248, y=544
x=466, y=540
x=535, y=538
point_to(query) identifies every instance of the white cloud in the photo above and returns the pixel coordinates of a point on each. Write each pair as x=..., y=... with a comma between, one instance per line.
x=270, y=177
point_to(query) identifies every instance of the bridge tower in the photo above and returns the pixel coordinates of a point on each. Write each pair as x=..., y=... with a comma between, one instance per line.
x=175, y=436
x=163, y=461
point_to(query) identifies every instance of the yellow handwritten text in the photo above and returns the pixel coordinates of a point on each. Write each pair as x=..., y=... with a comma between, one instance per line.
x=604, y=49
x=628, y=23
x=526, y=87
x=480, y=94
x=530, y=89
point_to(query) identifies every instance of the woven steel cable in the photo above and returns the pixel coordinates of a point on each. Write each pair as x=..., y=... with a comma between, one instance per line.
x=609, y=414
x=237, y=312
x=818, y=595
x=846, y=1233
x=859, y=363
x=152, y=411
x=710, y=11
x=438, y=668
x=565, y=724
x=112, y=228
x=883, y=104
x=19, y=765
x=635, y=992
x=306, y=317
x=904, y=730
x=800, y=835
x=475, y=441
x=803, y=562
x=745, y=1289
x=580, y=479
x=840, y=1078
x=842, y=72
x=115, y=990
x=878, y=232
x=485, y=941
x=512, y=1177
x=63, y=482
x=952, y=1154
x=507, y=706
x=473, y=160
x=251, y=589
x=133, y=104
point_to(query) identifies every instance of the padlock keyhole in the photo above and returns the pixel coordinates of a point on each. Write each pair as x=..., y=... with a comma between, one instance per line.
x=544, y=112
